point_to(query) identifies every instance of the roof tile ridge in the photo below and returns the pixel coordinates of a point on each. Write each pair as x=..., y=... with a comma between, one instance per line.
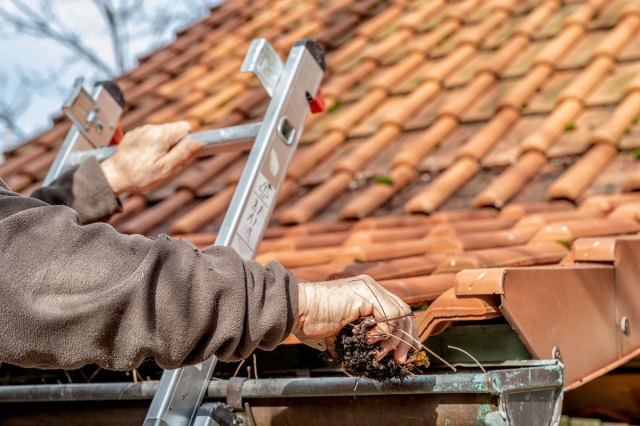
x=511, y=180
x=443, y=186
x=388, y=77
x=627, y=211
x=367, y=201
x=406, y=30
x=605, y=203
x=318, y=198
x=356, y=111
x=267, y=17
x=520, y=210
x=425, y=142
x=575, y=180
x=303, y=161
x=461, y=10
x=570, y=230
x=618, y=37
x=422, y=13
x=355, y=160
x=411, y=103
x=474, y=35
x=624, y=114
x=552, y=126
x=204, y=213
x=478, y=145
x=540, y=219
x=132, y=205
x=153, y=217
x=632, y=182
x=536, y=18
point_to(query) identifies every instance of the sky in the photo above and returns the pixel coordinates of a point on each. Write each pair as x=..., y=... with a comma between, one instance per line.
x=39, y=57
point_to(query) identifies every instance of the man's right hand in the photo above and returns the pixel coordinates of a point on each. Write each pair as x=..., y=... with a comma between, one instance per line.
x=324, y=308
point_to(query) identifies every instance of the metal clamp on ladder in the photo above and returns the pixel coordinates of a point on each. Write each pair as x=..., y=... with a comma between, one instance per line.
x=95, y=120
x=294, y=90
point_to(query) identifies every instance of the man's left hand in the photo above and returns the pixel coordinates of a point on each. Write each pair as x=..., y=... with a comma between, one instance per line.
x=148, y=156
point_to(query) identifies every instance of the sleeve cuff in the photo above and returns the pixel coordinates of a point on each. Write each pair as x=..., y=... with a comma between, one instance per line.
x=93, y=198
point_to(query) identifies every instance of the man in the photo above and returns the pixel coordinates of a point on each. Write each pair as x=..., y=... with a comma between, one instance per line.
x=74, y=292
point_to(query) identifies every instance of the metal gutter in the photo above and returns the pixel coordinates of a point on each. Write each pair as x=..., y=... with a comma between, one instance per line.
x=529, y=376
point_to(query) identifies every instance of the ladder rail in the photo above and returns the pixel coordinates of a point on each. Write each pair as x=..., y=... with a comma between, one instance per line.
x=181, y=391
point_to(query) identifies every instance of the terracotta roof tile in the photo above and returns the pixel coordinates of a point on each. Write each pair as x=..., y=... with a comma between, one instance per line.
x=539, y=219
x=17, y=162
x=424, y=142
x=19, y=181
x=449, y=308
x=377, y=194
x=443, y=187
x=523, y=89
x=158, y=214
x=519, y=210
x=574, y=181
x=570, y=230
x=306, y=208
x=479, y=144
x=606, y=203
x=417, y=291
x=205, y=213
x=130, y=206
x=553, y=126
x=594, y=249
x=509, y=183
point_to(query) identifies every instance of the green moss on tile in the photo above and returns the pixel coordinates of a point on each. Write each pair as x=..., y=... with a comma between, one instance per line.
x=636, y=154
x=636, y=119
x=336, y=106
x=570, y=127
x=627, y=131
x=566, y=243
x=595, y=15
x=524, y=105
x=424, y=307
x=384, y=180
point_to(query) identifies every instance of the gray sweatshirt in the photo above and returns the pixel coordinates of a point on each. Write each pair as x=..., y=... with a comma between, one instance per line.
x=73, y=293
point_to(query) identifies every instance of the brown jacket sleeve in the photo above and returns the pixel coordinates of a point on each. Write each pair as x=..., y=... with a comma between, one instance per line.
x=85, y=190
x=72, y=295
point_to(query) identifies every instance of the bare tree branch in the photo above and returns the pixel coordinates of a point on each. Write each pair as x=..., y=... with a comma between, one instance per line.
x=126, y=24
x=29, y=21
x=12, y=106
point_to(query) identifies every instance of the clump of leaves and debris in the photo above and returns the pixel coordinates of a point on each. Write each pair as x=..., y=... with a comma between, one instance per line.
x=358, y=358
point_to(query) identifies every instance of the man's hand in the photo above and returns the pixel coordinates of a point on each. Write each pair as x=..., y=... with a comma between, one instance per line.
x=325, y=307
x=149, y=156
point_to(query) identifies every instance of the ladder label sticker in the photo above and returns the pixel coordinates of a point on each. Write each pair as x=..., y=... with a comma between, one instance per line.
x=256, y=214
